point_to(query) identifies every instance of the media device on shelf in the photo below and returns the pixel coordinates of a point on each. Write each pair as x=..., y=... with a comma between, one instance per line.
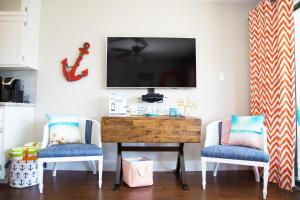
x=152, y=97
x=151, y=62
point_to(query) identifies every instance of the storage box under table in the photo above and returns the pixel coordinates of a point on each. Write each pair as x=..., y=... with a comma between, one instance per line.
x=137, y=172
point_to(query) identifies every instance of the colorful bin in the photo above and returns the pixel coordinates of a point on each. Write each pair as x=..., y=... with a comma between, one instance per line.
x=24, y=167
x=17, y=153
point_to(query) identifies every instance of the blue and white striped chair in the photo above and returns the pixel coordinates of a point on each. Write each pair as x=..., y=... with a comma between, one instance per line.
x=214, y=152
x=88, y=151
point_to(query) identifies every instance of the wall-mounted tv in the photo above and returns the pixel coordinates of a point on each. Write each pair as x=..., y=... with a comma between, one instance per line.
x=146, y=62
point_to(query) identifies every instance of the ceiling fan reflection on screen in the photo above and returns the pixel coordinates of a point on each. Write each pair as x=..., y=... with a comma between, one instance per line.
x=139, y=46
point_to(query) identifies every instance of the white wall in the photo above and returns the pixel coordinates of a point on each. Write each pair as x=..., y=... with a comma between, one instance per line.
x=222, y=46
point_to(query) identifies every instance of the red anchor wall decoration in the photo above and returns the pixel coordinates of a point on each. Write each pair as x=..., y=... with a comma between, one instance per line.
x=70, y=71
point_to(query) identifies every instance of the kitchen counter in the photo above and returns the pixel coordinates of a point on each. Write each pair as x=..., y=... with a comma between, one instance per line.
x=17, y=104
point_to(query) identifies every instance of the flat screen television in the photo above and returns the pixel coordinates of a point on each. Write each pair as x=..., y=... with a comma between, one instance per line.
x=145, y=62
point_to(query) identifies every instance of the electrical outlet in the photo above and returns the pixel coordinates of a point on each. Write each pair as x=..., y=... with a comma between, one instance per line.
x=221, y=76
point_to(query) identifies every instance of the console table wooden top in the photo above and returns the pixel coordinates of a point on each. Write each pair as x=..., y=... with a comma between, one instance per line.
x=142, y=129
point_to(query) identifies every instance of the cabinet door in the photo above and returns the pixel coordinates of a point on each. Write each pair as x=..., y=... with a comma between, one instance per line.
x=2, y=153
x=11, y=5
x=12, y=33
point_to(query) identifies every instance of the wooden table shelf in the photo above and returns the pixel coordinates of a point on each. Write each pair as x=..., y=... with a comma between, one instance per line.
x=151, y=129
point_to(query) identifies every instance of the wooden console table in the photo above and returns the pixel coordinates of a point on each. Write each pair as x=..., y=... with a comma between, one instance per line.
x=141, y=129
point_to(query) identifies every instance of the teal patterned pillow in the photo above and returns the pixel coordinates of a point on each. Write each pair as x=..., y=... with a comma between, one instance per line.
x=64, y=129
x=247, y=131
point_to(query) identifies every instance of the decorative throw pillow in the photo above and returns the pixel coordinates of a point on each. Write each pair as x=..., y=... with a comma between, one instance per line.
x=64, y=129
x=226, y=127
x=247, y=131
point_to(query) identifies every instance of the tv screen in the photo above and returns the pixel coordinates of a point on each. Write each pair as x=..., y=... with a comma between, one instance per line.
x=151, y=62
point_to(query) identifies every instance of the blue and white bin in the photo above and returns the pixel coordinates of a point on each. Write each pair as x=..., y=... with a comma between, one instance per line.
x=24, y=167
x=23, y=173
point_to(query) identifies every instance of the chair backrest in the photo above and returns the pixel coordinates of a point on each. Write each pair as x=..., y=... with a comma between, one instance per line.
x=212, y=135
x=89, y=129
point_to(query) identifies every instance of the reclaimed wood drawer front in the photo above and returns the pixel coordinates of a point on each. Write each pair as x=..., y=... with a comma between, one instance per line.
x=150, y=130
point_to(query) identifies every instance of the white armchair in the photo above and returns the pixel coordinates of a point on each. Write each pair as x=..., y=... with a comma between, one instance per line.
x=90, y=131
x=214, y=152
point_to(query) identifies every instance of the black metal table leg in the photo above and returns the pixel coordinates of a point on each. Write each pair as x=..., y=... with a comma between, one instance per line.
x=182, y=168
x=118, y=168
x=177, y=170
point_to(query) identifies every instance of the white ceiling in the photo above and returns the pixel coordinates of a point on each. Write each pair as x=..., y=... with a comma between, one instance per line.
x=251, y=2
x=234, y=1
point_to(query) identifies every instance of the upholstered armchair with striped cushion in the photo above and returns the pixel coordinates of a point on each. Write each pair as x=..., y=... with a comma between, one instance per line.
x=215, y=152
x=90, y=150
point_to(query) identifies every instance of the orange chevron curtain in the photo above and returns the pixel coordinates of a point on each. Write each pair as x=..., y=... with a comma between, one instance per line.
x=272, y=80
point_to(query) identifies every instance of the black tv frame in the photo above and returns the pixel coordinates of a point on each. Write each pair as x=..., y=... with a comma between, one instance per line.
x=149, y=88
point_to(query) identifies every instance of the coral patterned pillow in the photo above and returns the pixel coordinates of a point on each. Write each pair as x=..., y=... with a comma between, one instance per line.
x=247, y=131
x=226, y=127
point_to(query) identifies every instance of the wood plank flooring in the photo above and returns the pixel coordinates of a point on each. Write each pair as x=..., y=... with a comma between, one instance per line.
x=75, y=185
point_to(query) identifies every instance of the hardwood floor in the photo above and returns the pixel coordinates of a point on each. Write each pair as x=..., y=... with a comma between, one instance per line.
x=74, y=185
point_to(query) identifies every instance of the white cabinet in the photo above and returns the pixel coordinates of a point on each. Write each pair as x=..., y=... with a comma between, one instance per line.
x=12, y=32
x=16, y=129
x=19, y=33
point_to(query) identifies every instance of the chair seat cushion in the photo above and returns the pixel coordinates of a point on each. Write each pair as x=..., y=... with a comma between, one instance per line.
x=235, y=152
x=70, y=150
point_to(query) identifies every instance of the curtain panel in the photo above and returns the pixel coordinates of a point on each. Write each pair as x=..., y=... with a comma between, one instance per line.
x=272, y=82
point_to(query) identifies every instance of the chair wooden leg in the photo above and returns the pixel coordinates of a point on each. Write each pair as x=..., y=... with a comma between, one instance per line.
x=54, y=169
x=256, y=173
x=203, y=164
x=100, y=168
x=216, y=169
x=266, y=179
x=40, y=175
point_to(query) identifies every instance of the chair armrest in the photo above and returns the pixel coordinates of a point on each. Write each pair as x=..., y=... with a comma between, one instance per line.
x=45, y=136
x=212, y=134
x=265, y=140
